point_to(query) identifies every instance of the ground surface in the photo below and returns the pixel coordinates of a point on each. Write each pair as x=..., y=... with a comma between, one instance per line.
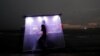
x=80, y=44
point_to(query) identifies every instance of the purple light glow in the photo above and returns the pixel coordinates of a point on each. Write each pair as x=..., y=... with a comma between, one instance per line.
x=29, y=20
x=33, y=31
x=56, y=17
x=39, y=19
x=45, y=18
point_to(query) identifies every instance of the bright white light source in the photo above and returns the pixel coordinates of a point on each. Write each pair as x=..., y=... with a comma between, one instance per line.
x=39, y=19
x=45, y=18
x=55, y=18
x=29, y=20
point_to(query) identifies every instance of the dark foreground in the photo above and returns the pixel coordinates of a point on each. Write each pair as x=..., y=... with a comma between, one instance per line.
x=78, y=43
x=57, y=54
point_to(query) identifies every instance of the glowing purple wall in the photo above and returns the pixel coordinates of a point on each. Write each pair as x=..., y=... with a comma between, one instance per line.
x=33, y=32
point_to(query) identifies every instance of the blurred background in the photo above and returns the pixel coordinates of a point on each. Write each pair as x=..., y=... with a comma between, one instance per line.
x=80, y=22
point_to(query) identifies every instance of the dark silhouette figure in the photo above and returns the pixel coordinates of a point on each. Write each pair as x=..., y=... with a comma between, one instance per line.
x=42, y=41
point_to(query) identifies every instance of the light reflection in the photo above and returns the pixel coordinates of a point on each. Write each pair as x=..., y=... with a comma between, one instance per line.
x=29, y=20
x=45, y=18
x=39, y=18
x=55, y=18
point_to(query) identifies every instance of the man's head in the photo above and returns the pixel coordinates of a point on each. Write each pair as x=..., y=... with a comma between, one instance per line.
x=43, y=22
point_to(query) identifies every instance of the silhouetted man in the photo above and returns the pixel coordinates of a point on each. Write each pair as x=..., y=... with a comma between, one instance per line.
x=42, y=41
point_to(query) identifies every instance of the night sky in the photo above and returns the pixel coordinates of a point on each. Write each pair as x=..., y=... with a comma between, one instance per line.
x=73, y=11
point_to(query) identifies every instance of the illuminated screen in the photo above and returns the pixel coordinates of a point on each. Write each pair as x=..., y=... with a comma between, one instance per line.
x=33, y=32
